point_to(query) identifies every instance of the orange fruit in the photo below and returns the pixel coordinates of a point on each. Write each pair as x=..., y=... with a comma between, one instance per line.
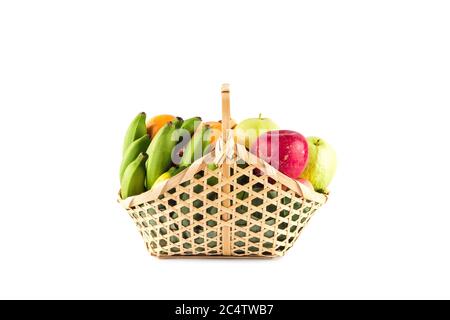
x=216, y=128
x=216, y=131
x=157, y=122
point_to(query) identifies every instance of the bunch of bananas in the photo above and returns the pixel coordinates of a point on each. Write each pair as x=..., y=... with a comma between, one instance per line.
x=159, y=149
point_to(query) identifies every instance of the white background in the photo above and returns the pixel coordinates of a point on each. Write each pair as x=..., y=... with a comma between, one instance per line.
x=370, y=77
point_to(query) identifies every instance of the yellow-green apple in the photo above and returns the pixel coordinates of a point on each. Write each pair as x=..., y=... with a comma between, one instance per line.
x=248, y=130
x=285, y=150
x=321, y=165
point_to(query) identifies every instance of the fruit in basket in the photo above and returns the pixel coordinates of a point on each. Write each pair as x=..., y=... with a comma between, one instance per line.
x=191, y=124
x=321, y=165
x=160, y=151
x=133, y=179
x=184, y=135
x=133, y=150
x=135, y=130
x=195, y=148
x=207, y=137
x=216, y=129
x=167, y=175
x=212, y=166
x=218, y=124
x=157, y=122
x=249, y=130
x=285, y=150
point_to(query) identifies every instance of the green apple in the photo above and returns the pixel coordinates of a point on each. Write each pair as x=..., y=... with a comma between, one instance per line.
x=321, y=164
x=249, y=130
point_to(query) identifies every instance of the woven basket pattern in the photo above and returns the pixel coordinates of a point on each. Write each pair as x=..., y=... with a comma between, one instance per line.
x=265, y=217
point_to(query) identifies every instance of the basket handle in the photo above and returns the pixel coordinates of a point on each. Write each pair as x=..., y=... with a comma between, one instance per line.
x=226, y=132
x=226, y=118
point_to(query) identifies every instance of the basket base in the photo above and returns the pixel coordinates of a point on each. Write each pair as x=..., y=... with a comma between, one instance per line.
x=214, y=257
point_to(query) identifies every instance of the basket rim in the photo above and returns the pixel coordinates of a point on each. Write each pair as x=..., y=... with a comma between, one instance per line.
x=240, y=152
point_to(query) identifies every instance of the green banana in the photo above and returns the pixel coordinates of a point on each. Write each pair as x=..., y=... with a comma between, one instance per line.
x=207, y=140
x=191, y=124
x=134, y=149
x=207, y=148
x=160, y=151
x=184, y=135
x=135, y=130
x=175, y=170
x=195, y=145
x=133, y=180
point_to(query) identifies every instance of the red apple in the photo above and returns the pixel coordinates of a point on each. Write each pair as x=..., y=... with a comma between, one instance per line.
x=285, y=150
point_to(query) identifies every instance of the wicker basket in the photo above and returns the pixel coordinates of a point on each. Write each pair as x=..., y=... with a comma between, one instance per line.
x=232, y=211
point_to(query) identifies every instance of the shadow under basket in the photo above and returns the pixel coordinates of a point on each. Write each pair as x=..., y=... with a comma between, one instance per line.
x=244, y=208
